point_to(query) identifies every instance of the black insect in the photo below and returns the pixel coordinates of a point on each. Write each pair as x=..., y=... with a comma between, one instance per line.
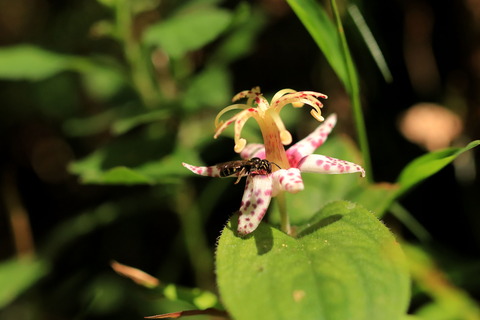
x=241, y=168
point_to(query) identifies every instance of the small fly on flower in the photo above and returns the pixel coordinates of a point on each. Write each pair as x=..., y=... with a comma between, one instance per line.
x=246, y=167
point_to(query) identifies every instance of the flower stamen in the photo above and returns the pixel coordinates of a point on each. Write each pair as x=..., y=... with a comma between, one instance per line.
x=285, y=135
x=218, y=123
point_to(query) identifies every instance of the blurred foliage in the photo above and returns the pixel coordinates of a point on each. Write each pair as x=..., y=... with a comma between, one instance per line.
x=103, y=100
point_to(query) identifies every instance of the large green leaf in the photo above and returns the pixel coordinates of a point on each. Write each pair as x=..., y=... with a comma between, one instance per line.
x=188, y=31
x=345, y=264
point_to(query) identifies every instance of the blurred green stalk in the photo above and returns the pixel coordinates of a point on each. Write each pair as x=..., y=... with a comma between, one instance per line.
x=194, y=236
x=353, y=88
x=141, y=77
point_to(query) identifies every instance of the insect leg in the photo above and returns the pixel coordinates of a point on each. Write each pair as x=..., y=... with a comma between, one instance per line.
x=240, y=175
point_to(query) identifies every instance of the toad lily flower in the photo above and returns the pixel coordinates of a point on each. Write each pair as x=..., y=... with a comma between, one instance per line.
x=269, y=181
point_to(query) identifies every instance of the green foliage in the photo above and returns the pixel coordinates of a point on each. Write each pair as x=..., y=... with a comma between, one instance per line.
x=429, y=164
x=16, y=275
x=101, y=167
x=323, y=30
x=342, y=252
x=200, y=93
x=175, y=35
x=31, y=63
x=201, y=299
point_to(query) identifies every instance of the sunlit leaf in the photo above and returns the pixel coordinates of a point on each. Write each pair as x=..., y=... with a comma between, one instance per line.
x=202, y=299
x=345, y=264
x=323, y=31
x=188, y=31
x=429, y=164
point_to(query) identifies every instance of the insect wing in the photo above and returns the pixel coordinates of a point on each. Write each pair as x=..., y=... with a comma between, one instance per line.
x=231, y=168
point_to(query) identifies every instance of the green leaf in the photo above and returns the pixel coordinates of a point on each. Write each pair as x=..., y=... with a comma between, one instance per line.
x=212, y=87
x=102, y=80
x=345, y=264
x=122, y=175
x=18, y=275
x=188, y=31
x=127, y=123
x=370, y=41
x=201, y=299
x=380, y=196
x=447, y=301
x=375, y=197
x=104, y=165
x=240, y=40
x=429, y=164
x=325, y=34
x=26, y=62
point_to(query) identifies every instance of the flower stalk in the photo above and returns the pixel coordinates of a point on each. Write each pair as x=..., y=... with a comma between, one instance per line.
x=284, y=219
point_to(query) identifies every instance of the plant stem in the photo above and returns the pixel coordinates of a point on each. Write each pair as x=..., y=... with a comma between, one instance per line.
x=18, y=216
x=140, y=74
x=284, y=220
x=194, y=237
x=353, y=88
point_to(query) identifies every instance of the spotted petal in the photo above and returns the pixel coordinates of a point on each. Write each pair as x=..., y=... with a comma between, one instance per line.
x=288, y=180
x=310, y=143
x=322, y=164
x=252, y=150
x=212, y=171
x=255, y=201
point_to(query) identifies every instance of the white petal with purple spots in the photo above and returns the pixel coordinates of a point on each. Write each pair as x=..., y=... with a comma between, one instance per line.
x=255, y=201
x=289, y=180
x=321, y=164
x=310, y=143
x=212, y=171
x=253, y=150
